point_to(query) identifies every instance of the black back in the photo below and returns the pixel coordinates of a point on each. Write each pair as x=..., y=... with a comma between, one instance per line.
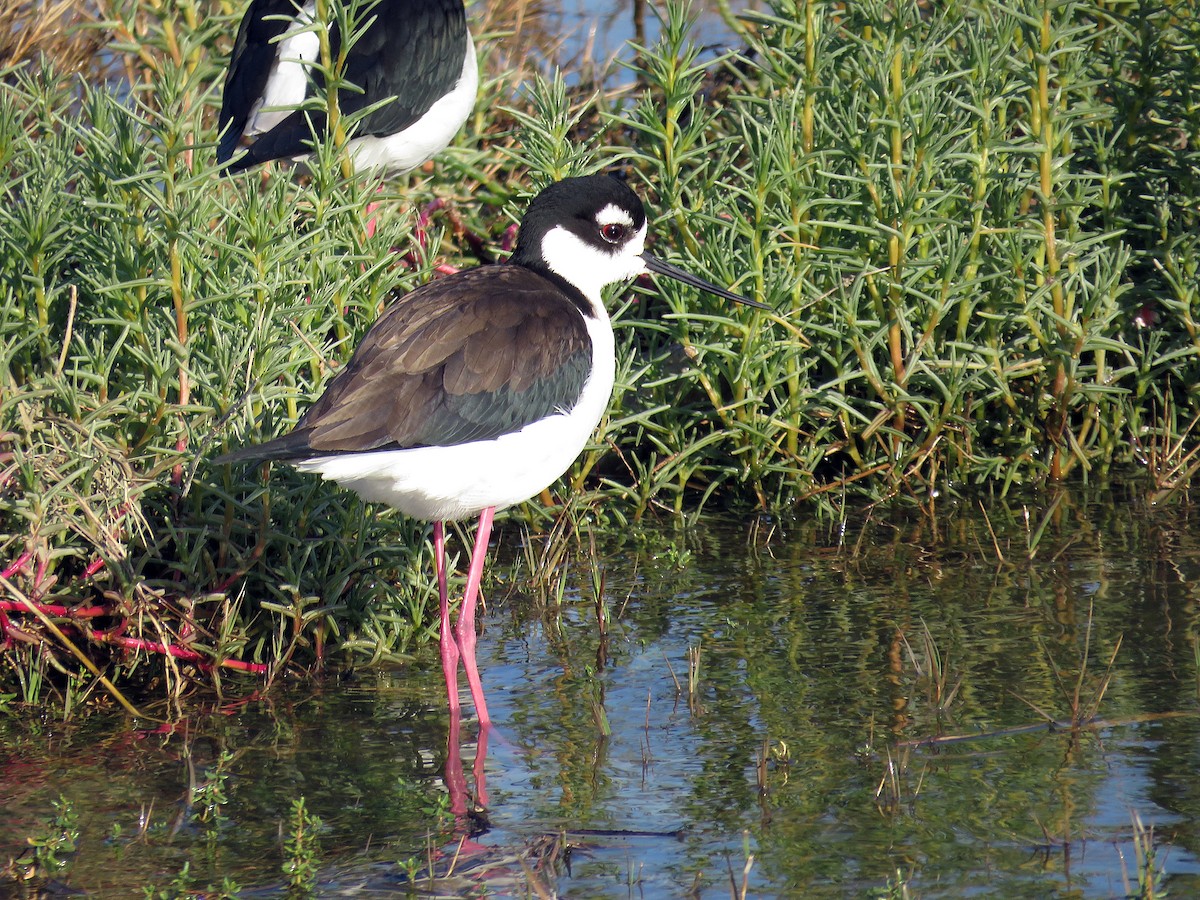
x=413, y=51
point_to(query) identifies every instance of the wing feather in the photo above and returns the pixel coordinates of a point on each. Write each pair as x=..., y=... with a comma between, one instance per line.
x=435, y=370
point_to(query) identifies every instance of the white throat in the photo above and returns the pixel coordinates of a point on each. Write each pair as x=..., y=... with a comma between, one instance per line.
x=590, y=268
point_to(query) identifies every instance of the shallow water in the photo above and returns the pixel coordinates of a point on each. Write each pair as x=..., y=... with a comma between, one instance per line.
x=605, y=36
x=869, y=702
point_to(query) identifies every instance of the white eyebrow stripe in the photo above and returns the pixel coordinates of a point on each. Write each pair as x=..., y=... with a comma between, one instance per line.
x=613, y=215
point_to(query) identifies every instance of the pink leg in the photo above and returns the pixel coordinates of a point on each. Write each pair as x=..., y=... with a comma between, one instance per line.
x=464, y=631
x=447, y=639
x=456, y=779
x=369, y=212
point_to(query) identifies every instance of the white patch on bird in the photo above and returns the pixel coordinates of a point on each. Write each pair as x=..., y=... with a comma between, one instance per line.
x=445, y=483
x=592, y=266
x=287, y=84
x=429, y=135
x=614, y=215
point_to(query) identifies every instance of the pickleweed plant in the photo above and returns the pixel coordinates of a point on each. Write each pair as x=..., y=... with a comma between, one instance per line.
x=929, y=200
x=301, y=850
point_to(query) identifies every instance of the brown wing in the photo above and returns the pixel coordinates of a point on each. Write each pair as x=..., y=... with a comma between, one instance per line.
x=464, y=358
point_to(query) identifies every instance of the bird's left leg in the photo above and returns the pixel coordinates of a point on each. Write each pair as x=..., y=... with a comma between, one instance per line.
x=464, y=630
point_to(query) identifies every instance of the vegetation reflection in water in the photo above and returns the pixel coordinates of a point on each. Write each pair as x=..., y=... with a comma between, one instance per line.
x=937, y=705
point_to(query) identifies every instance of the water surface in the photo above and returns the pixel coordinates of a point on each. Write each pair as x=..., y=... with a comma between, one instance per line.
x=908, y=697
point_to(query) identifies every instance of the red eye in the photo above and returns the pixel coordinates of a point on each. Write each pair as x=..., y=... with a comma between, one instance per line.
x=613, y=233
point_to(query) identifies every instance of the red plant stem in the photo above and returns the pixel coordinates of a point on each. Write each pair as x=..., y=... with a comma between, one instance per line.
x=16, y=634
x=43, y=565
x=177, y=652
x=82, y=612
x=424, y=217
x=510, y=238
x=112, y=637
x=21, y=562
x=225, y=585
x=181, y=444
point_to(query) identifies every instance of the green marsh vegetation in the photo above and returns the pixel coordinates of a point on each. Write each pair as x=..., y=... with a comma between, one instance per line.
x=977, y=223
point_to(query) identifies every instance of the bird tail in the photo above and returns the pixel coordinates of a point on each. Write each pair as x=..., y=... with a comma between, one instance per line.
x=292, y=446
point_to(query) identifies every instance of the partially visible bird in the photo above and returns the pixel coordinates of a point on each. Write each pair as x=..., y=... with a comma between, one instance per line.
x=415, y=54
x=476, y=391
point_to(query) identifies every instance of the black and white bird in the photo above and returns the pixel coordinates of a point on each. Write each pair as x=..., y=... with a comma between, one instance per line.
x=415, y=54
x=476, y=391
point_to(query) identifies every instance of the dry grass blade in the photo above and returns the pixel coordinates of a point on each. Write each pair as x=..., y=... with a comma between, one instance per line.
x=1168, y=460
x=695, y=658
x=61, y=31
x=739, y=887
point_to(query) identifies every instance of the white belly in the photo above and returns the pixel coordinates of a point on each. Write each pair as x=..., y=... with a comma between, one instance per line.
x=287, y=85
x=426, y=137
x=441, y=483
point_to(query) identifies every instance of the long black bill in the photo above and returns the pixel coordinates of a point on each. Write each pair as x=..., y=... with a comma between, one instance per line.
x=656, y=265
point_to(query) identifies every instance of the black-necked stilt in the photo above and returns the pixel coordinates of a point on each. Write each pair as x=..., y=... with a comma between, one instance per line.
x=415, y=54
x=477, y=391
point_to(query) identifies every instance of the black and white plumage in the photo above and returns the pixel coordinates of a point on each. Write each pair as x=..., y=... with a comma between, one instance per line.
x=419, y=53
x=469, y=374
x=478, y=390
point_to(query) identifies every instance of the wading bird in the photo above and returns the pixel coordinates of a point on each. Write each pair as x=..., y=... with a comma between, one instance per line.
x=413, y=65
x=476, y=391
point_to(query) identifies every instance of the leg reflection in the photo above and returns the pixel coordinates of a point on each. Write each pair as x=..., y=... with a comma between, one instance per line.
x=470, y=815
